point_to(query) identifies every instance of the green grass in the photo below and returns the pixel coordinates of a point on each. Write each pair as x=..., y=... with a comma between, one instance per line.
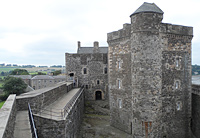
x=1, y=104
x=7, y=69
x=1, y=84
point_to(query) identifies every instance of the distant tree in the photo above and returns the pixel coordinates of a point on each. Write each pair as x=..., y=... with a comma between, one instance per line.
x=2, y=73
x=14, y=85
x=57, y=72
x=19, y=72
x=41, y=73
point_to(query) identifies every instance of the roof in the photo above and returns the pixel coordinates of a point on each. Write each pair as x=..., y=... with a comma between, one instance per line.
x=60, y=77
x=89, y=50
x=148, y=7
x=24, y=77
x=42, y=77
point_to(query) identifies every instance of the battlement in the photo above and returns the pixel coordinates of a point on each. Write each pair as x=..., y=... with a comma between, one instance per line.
x=176, y=29
x=122, y=33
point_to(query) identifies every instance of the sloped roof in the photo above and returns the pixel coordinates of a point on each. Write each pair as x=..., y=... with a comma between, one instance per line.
x=60, y=77
x=24, y=77
x=148, y=7
x=89, y=50
x=42, y=77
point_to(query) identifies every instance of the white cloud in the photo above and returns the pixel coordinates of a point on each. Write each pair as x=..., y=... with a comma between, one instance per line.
x=28, y=27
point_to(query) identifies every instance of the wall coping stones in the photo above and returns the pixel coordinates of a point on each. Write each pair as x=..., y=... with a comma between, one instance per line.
x=5, y=114
x=41, y=91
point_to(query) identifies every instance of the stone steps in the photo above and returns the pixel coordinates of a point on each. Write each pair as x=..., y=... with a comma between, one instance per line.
x=22, y=125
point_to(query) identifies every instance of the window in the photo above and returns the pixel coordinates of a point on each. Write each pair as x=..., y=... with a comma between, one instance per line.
x=84, y=70
x=120, y=103
x=119, y=84
x=177, y=84
x=177, y=63
x=98, y=82
x=105, y=70
x=86, y=86
x=178, y=106
x=119, y=64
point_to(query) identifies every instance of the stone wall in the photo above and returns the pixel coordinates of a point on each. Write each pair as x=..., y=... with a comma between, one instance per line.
x=40, y=98
x=7, y=117
x=119, y=58
x=195, y=123
x=95, y=79
x=156, y=99
x=67, y=128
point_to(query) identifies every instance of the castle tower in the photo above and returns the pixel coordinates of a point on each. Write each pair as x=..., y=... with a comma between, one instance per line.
x=150, y=76
x=146, y=59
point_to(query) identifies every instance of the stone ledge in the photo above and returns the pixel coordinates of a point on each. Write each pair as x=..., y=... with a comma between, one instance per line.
x=7, y=117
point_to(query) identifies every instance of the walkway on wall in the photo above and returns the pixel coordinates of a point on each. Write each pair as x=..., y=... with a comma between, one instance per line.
x=22, y=126
x=56, y=109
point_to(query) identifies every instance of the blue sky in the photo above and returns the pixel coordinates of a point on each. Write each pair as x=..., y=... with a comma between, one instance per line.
x=40, y=32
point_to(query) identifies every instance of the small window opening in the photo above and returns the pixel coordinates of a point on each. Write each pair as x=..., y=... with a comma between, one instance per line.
x=105, y=70
x=119, y=64
x=177, y=63
x=98, y=82
x=119, y=84
x=86, y=86
x=177, y=85
x=120, y=103
x=84, y=70
x=178, y=106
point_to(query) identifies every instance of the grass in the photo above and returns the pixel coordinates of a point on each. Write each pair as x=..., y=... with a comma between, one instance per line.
x=1, y=104
x=7, y=69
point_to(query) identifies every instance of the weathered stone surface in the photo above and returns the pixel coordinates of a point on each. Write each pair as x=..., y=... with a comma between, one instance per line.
x=154, y=96
x=42, y=97
x=7, y=117
x=65, y=128
x=195, y=123
x=95, y=79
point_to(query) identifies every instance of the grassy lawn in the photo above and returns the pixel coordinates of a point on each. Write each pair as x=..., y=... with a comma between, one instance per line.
x=7, y=69
x=1, y=104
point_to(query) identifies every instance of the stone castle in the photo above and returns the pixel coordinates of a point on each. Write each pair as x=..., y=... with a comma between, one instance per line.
x=144, y=74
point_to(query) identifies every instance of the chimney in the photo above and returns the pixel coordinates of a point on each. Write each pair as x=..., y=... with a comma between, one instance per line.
x=96, y=46
x=79, y=44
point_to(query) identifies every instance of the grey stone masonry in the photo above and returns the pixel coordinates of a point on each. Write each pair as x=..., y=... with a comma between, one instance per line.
x=7, y=117
x=150, y=76
x=195, y=122
x=42, y=97
x=88, y=68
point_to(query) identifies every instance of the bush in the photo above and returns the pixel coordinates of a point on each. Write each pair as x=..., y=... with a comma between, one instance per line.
x=4, y=96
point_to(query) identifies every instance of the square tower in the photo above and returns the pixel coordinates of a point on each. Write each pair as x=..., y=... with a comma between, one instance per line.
x=150, y=76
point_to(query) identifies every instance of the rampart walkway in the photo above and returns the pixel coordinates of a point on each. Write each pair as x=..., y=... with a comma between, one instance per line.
x=56, y=109
x=22, y=126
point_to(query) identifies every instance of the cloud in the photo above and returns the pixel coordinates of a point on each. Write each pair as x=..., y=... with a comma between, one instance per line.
x=40, y=32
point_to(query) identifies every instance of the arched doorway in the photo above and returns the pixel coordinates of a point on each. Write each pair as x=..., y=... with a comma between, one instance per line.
x=98, y=95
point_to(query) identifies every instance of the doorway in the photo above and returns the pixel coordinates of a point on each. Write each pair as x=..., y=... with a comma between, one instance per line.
x=98, y=95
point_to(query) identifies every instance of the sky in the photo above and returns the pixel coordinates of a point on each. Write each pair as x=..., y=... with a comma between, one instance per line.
x=40, y=32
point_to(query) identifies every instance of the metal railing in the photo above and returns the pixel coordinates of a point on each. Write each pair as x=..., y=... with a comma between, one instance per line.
x=31, y=120
x=70, y=104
